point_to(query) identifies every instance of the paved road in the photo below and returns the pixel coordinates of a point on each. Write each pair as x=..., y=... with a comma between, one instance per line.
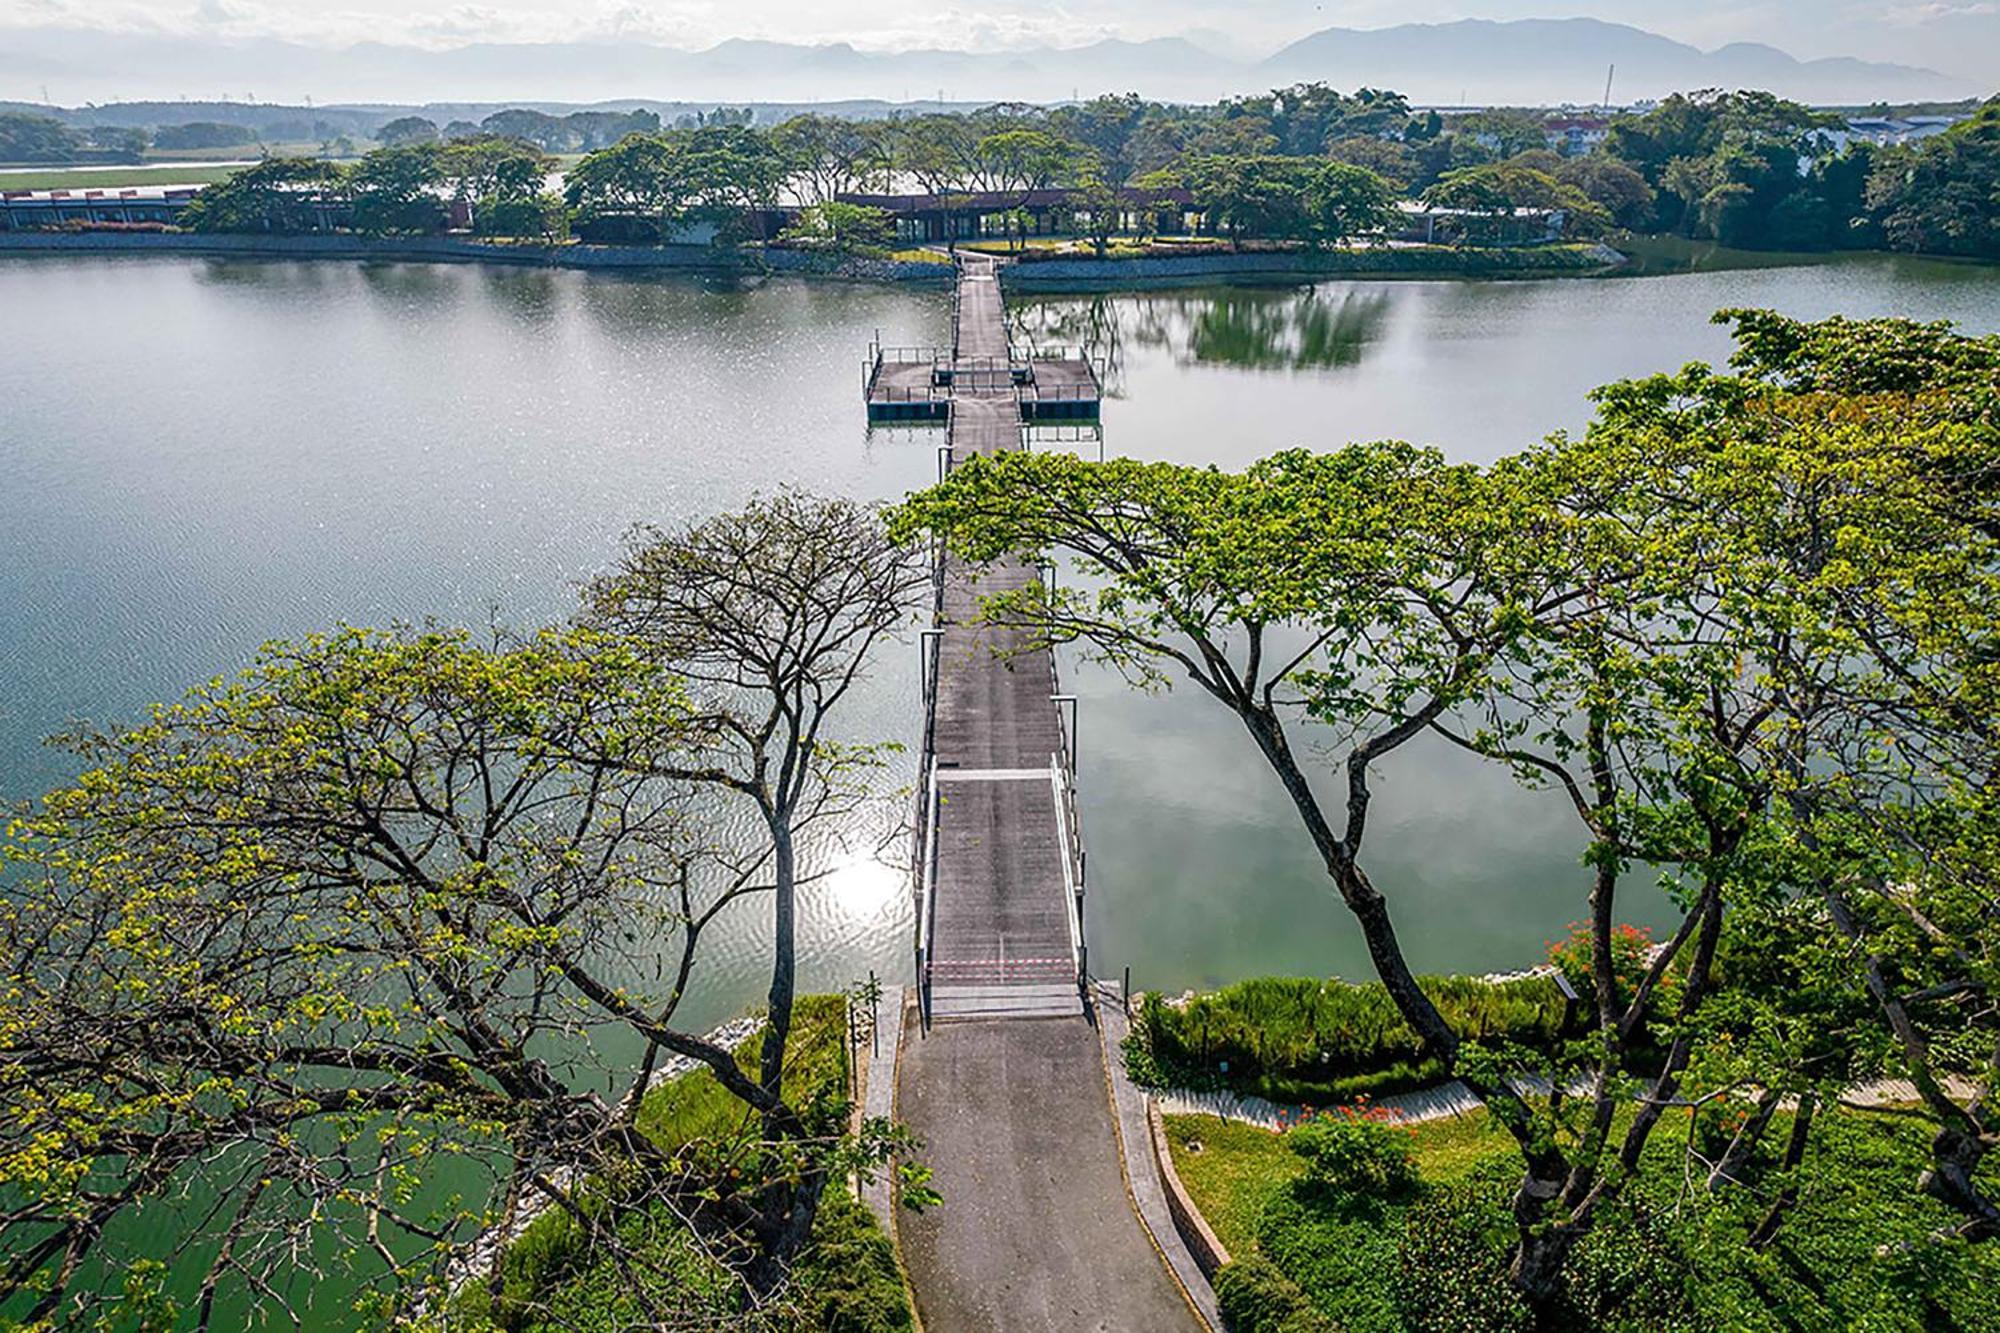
x=1036, y=1234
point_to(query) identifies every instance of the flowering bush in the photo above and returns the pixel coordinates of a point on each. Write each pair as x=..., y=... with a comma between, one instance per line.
x=1631, y=954
x=1356, y=1151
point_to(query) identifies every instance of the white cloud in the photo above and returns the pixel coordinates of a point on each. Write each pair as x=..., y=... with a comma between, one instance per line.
x=1917, y=15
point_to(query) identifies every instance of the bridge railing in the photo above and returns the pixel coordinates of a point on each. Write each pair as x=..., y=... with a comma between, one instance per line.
x=1076, y=861
x=924, y=864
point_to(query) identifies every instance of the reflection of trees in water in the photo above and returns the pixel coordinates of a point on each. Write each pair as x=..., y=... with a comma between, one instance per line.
x=1315, y=328
x=1088, y=322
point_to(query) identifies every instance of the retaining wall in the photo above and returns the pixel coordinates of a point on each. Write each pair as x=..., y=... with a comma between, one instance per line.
x=451, y=249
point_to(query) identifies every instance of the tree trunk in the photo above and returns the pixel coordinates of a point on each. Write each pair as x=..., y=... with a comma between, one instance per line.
x=784, y=956
x=1537, y=1270
x=1730, y=1168
x=1370, y=909
x=1795, y=1153
x=786, y=1215
x=1955, y=1157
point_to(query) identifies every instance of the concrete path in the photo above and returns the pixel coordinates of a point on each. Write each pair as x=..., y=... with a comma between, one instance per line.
x=1036, y=1233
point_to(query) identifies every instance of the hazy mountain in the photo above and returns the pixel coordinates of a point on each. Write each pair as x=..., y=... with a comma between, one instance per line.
x=1522, y=62
x=1566, y=60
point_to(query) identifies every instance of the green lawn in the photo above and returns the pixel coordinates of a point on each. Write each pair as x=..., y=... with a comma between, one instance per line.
x=1231, y=1170
x=1861, y=1250
x=112, y=178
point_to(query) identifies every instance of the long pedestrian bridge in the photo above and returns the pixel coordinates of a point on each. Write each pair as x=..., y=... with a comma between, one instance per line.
x=1000, y=860
x=1004, y=1075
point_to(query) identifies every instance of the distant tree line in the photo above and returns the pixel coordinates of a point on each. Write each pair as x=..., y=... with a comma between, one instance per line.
x=410, y=189
x=29, y=138
x=36, y=139
x=1306, y=163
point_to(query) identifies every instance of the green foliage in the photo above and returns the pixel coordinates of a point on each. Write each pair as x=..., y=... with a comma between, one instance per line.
x=1298, y=1040
x=841, y=229
x=1450, y=1274
x=1256, y=1297
x=203, y=134
x=26, y=137
x=1863, y=1251
x=394, y=192
x=645, y=184
x=279, y=195
x=1351, y=1153
x=1939, y=196
x=848, y=1280
x=1501, y=189
x=1343, y=200
x=1334, y=1246
x=407, y=130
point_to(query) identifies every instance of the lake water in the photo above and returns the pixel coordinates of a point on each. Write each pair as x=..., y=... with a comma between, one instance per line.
x=199, y=455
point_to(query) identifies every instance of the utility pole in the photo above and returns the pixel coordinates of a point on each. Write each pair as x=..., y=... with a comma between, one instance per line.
x=1609, y=76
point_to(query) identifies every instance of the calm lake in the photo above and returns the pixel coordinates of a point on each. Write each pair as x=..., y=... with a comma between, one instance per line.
x=200, y=455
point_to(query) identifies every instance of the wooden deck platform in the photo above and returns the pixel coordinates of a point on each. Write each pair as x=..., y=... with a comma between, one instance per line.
x=916, y=384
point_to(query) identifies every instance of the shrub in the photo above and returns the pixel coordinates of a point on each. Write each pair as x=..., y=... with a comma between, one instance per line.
x=1256, y=1298
x=848, y=1281
x=1451, y=1265
x=1356, y=1154
x=1335, y=1248
x=1631, y=950
x=1300, y=1040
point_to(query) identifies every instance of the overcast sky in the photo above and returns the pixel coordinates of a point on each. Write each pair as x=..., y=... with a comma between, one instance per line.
x=1961, y=37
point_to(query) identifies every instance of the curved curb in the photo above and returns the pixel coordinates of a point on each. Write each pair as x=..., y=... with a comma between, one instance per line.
x=1207, y=1248
x=1147, y=1192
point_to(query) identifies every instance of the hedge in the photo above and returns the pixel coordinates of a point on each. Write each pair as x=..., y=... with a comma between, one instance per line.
x=1256, y=1298
x=1297, y=1040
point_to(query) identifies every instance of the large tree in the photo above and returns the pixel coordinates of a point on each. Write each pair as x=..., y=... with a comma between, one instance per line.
x=1335, y=604
x=378, y=905
x=772, y=615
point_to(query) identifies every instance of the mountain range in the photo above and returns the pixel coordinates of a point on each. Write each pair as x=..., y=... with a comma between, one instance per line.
x=1534, y=62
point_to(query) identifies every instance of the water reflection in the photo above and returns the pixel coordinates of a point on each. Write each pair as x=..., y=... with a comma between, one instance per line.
x=1249, y=328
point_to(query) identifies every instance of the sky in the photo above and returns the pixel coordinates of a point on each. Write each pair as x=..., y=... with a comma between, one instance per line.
x=1959, y=37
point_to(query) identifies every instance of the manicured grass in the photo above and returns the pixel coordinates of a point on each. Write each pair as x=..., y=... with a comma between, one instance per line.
x=919, y=256
x=696, y=1107
x=1231, y=1170
x=112, y=178
x=252, y=151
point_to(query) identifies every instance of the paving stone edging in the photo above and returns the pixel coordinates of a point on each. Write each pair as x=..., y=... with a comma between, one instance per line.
x=1200, y=1238
x=1156, y=1201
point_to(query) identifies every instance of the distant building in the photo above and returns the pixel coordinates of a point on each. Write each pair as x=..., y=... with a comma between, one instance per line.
x=1576, y=136
x=1882, y=131
x=963, y=217
x=46, y=210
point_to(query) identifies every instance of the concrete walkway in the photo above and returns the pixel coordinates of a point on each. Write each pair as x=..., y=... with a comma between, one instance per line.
x=1036, y=1233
